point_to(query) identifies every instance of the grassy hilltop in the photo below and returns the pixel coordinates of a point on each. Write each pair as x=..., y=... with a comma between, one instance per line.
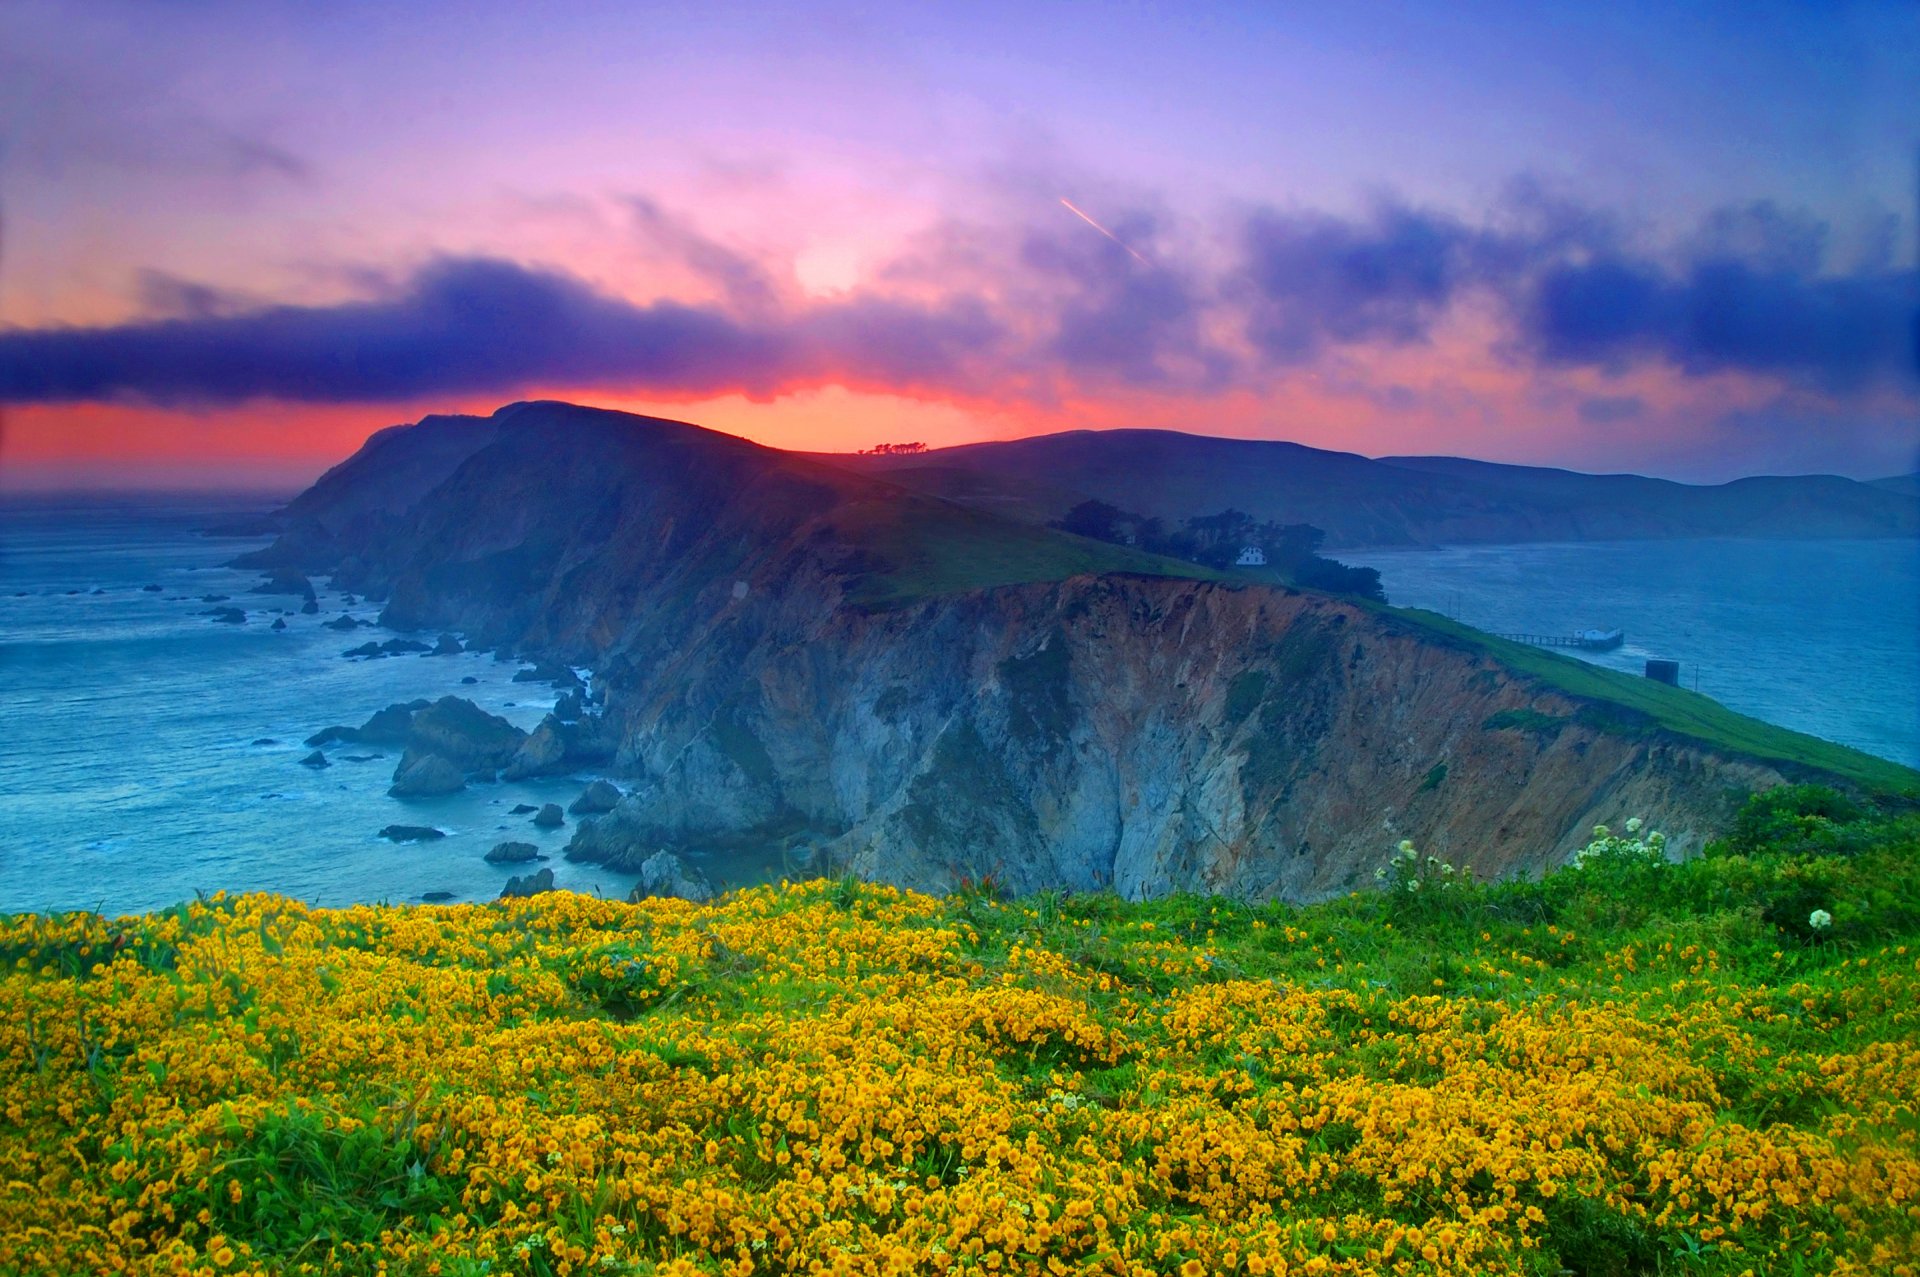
x=1629, y=1067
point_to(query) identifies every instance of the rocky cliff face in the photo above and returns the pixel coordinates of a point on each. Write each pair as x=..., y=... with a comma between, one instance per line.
x=1145, y=735
x=1127, y=731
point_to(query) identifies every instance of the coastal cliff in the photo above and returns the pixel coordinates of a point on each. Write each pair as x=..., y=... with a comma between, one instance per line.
x=804, y=665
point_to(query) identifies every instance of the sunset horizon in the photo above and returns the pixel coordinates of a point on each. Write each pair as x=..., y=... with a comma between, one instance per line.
x=256, y=237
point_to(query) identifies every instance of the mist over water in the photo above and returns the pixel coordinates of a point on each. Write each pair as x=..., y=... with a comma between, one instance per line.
x=1819, y=636
x=130, y=776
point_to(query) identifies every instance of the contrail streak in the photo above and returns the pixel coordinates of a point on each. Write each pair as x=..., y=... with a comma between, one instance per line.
x=1104, y=231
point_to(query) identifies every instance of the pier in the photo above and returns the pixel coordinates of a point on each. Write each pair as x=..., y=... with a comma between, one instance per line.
x=1593, y=640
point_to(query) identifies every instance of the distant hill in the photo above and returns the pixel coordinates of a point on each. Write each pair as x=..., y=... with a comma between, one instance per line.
x=1909, y=484
x=1390, y=501
x=823, y=669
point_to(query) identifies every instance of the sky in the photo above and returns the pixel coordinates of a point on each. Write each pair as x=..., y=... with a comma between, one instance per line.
x=1671, y=238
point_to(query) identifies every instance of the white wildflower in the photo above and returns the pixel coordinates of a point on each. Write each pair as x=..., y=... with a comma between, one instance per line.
x=1633, y=824
x=1819, y=920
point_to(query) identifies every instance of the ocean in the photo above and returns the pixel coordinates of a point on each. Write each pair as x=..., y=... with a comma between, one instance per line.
x=1819, y=636
x=151, y=752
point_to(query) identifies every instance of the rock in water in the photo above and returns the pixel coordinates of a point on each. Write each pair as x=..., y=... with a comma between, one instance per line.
x=387, y=727
x=436, y=897
x=550, y=817
x=469, y=680
x=279, y=623
x=448, y=646
x=530, y=885
x=425, y=776
x=512, y=853
x=543, y=752
x=229, y=615
x=665, y=874
x=343, y=622
x=521, y=809
x=411, y=833
x=461, y=731
x=285, y=581
x=310, y=607
x=596, y=798
x=315, y=759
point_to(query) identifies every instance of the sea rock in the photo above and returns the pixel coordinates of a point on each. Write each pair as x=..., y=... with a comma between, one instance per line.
x=204, y=598
x=561, y=676
x=594, y=799
x=436, y=897
x=555, y=747
x=150, y=589
x=542, y=753
x=411, y=833
x=667, y=875
x=310, y=607
x=264, y=740
x=285, y=581
x=315, y=759
x=461, y=731
x=362, y=758
x=228, y=615
x=387, y=727
x=469, y=680
x=512, y=853
x=279, y=623
x=521, y=809
x=425, y=776
x=342, y=622
x=392, y=647
x=530, y=885
x=550, y=817
x=447, y=646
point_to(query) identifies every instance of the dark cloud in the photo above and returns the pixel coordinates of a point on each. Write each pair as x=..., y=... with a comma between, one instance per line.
x=476, y=325
x=1313, y=280
x=460, y=326
x=1722, y=314
x=1034, y=310
x=1750, y=290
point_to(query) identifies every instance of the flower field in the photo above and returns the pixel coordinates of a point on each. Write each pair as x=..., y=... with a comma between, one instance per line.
x=1629, y=1067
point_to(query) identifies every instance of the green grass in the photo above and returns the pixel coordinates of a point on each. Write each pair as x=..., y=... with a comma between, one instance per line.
x=932, y=548
x=1624, y=704
x=924, y=548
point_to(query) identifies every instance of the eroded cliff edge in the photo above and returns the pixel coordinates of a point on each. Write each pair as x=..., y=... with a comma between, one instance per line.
x=1145, y=735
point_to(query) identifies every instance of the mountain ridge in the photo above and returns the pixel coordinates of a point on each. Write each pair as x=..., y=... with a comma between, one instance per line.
x=817, y=665
x=1388, y=501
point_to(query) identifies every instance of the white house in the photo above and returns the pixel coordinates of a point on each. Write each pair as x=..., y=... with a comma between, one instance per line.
x=1251, y=556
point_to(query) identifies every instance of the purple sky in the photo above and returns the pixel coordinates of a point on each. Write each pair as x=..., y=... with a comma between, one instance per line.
x=1671, y=238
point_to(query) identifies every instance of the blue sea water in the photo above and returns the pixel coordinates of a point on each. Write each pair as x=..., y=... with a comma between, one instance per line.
x=132, y=773
x=130, y=770
x=1819, y=636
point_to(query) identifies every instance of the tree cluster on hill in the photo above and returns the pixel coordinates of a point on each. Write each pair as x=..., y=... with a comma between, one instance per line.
x=892, y=449
x=1216, y=540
